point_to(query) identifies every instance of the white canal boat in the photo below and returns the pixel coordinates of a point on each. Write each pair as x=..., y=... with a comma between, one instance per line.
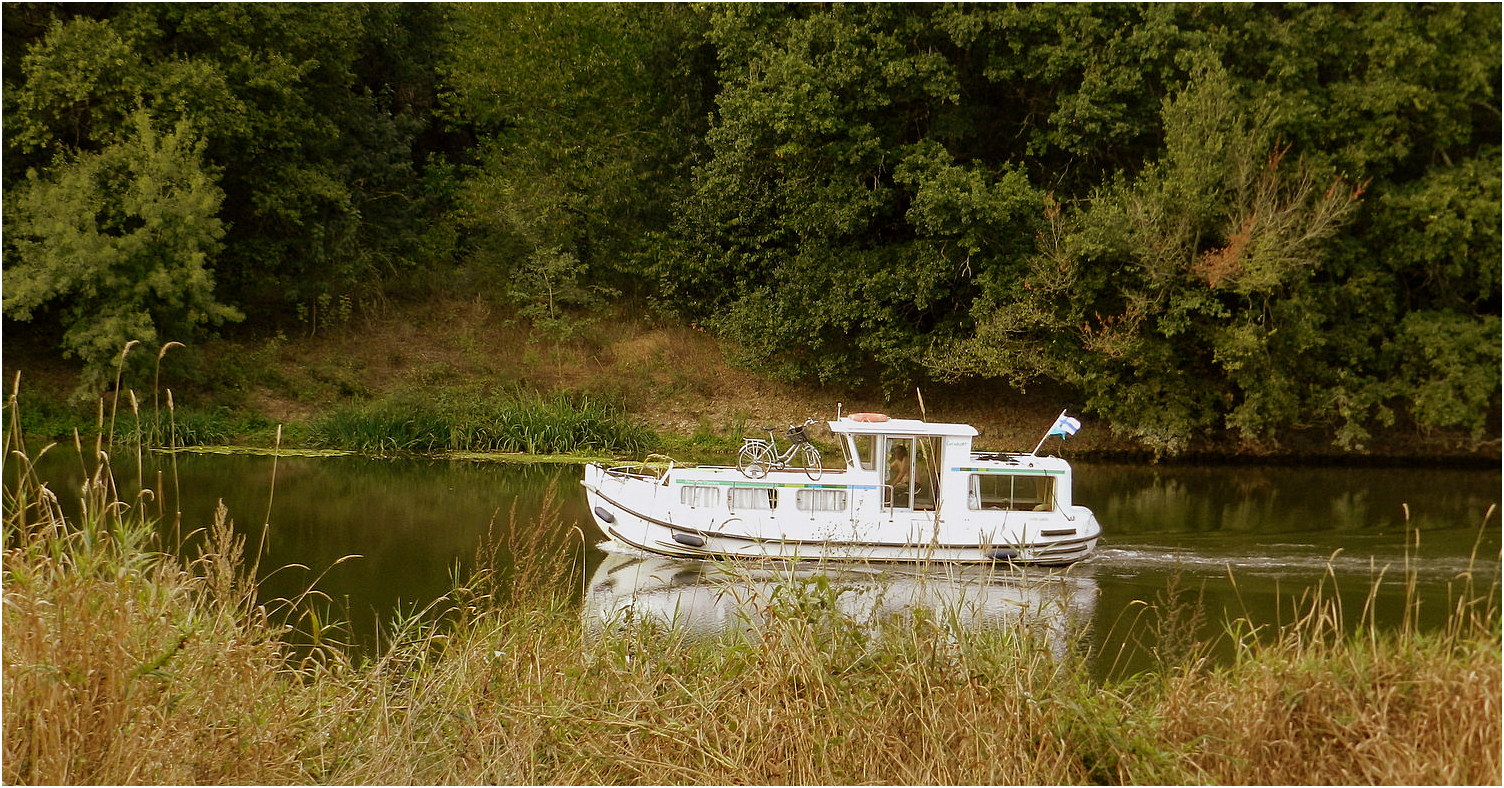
x=908, y=490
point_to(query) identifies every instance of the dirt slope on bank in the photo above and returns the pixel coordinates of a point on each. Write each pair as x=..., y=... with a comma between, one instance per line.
x=677, y=378
x=674, y=376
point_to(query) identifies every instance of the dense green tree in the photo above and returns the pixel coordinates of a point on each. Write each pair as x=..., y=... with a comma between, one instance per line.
x=118, y=243
x=1183, y=295
x=587, y=116
x=830, y=233
x=310, y=117
x=1203, y=218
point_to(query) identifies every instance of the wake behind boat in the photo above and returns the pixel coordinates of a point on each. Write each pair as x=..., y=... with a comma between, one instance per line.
x=908, y=490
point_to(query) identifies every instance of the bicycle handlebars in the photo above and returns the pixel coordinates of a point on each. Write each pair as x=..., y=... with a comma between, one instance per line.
x=792, y=427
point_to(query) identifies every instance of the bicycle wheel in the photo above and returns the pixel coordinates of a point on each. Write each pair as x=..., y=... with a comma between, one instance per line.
x=753, y=460
x=809, y=457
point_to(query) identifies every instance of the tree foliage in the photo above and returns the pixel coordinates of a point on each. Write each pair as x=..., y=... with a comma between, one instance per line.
x=585, y=115
x=831, y=231
x=1213, y=251
x=1206, y=220
x=119, y=243
x=309, y=117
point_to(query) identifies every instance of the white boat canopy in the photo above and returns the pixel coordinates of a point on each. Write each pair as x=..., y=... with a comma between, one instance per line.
x=849, y=426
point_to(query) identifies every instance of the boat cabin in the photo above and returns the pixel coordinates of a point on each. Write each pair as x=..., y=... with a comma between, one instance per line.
x=922, y=466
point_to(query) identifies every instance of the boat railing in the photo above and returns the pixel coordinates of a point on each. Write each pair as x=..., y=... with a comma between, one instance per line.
x=790, y=471
x=637, y=472
x=656, y=473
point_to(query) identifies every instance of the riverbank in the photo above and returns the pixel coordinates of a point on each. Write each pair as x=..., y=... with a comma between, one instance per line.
x=671, y=380
x=127, y=665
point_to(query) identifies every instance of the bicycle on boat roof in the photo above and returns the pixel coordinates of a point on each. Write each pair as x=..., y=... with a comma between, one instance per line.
x=759, y=456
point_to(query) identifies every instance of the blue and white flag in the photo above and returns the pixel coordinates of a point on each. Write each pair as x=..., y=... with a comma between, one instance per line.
x=1065, y=426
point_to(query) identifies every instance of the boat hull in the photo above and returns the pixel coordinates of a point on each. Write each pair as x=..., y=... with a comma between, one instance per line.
x=639, y=511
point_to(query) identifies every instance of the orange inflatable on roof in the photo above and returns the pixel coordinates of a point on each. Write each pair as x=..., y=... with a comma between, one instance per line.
x=874, y=417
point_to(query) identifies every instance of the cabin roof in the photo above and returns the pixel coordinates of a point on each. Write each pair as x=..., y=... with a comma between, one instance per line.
x=1020, y=460
x=845, y=426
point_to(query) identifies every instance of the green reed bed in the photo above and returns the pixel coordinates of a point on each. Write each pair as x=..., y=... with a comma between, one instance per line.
x=189, y=427
x=509, y=422
x=130, y=661
x=134, y=421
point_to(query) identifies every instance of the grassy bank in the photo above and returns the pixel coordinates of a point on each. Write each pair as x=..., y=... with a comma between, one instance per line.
x=438, y=373
x=446, y=421
x=126, y=663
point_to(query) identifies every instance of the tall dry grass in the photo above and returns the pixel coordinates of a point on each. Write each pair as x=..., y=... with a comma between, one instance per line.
x=521, y=698
x=1323, y=702
x=125, y=663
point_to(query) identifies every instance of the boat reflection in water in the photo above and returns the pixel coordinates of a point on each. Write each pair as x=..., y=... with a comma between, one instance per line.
x=703, y=599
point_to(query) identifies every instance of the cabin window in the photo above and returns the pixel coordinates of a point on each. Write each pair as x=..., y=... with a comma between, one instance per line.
x=820, y=500
x=699, y=495
x=1012, y=492
x=862, y=444
x=753, y=498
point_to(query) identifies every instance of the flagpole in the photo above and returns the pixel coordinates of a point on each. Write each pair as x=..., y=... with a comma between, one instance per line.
x=1047, y=433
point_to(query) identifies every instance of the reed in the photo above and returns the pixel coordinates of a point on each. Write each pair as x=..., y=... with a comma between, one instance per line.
x=186, y=426
x=130, y=661
x=523, y=698
x=514, y=421
x=124, y=665
x=171, y=426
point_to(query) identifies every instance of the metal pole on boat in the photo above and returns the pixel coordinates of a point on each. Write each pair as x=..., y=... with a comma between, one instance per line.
x=1047, y=433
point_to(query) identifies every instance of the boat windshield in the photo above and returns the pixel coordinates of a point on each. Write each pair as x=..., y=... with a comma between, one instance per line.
x=862, y=445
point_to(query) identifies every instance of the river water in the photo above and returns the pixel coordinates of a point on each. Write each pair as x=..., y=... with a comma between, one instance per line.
x=1232, y=541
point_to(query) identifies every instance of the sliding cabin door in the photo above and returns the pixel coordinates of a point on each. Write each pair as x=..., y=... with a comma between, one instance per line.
x=911, y=476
